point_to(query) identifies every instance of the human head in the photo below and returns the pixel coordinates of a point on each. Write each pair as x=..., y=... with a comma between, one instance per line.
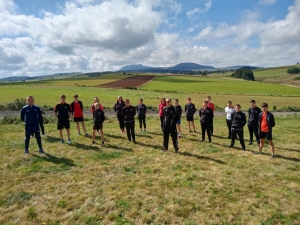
x=97, y=105
x=208, y=98
x=237, y=107
x=62, y=98
x=141, y=101
x=163, y=100
x=176, y=101
x=229, y=104
x=120, y=99
x=264, y=107
x=253, y=103
x=76, y=97
x=127, y=102
x=169, y=102
x=96, y=99
x=189, y=100
x=205, y=103
x=30, y=100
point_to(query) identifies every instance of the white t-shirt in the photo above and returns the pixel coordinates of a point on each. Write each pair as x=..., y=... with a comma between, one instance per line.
x=229, y=111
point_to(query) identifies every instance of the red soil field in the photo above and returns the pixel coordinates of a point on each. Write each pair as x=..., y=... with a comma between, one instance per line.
x=134, y=81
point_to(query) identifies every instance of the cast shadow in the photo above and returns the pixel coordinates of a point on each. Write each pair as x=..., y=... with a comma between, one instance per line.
x=121, y=136
x=289, y=149
x=55, y=160
x=52, y=139
x=85, y=147
x=287, y=158
x=116, y=147
x=201, y=157
x=220, y=137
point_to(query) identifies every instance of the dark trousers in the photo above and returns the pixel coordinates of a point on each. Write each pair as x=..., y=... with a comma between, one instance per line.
x=212, y=126
x=28, y=131
x=161, y=122
x=253, y=128
x=240, y=134
x=130, y=130
x=121, y=121
x=229, y=122
x=142, y=120
x=205, y=127
x=41, y=126
x=173, y=132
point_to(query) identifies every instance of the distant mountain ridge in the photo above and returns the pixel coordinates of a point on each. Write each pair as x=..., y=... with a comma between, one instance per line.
x=180, y=66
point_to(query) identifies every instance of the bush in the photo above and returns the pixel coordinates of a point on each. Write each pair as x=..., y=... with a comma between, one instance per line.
x=11, y=119
x=293, y=70
x=245, y=74
x=17, y=104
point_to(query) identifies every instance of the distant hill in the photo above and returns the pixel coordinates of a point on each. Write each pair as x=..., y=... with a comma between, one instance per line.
x=244, y=67
x=135, y=67
x=178, y=67
x=24, y=78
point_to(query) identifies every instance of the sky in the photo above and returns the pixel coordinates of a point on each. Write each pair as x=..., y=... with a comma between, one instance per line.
x=41, y=37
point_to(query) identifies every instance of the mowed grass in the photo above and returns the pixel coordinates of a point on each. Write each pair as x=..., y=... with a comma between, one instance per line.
x=219, y=86
x=126, y=183
x=272, y=72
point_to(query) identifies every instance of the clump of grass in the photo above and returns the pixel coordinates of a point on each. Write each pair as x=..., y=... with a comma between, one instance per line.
x=11, y=119
x=18, y=198
x=31, y=213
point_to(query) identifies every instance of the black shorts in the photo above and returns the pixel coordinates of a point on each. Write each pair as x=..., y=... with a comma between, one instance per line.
x=190, y=118
x=98, y=127
x=265, y=135
x=63, y=124
x=78, y=119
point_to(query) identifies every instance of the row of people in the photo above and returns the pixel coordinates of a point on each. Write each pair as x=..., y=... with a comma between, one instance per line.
x=170, y=120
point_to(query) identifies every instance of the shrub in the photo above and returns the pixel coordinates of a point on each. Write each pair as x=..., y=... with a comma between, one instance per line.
x=11, y=119
x=17, y=104
x=293, y=70
x=245, y=74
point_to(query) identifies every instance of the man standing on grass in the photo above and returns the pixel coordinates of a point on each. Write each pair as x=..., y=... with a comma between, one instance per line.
x=63, y=111
x=266, y=123
x=212, y=106
x=206, y=116
x=238, y=119
x=253, y=112
x=169, y=125
x=77, y=111
x=31, y=115
x=190, y=110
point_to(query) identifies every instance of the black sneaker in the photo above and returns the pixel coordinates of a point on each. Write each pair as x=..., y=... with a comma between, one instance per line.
x=244, y=149
x=103, y=142
x=93, y=142
x=165, y=149
x=41, y=151
x=134, y=142
x=195, y=131
x=230, y=146
x=26, y=151
x=250, y=143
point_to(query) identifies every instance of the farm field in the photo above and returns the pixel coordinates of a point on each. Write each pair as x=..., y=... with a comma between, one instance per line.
x=126, y=183
x=133, y=81
x=47, y=93
x=218, y=86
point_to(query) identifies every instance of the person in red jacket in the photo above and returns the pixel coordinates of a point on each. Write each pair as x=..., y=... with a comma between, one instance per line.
x=161, y=114
x=77, y=111
x=212, y=106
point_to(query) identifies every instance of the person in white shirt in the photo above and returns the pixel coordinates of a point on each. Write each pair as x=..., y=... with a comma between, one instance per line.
x=229, y=110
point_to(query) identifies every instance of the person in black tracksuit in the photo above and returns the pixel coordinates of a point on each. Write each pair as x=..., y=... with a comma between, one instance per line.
x=206, y=115
x=253, y=127
x=238, y=119
x=129, y=112
x=170, y=120
x=120, y=104
x=190, y=110
x=98, y=117
x=141, y=111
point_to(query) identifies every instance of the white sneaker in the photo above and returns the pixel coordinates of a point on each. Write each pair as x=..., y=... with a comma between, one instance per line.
x=69, y=142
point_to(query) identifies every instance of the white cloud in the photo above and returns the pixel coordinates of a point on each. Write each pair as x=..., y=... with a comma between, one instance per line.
x=266, y=2
x=196, y=10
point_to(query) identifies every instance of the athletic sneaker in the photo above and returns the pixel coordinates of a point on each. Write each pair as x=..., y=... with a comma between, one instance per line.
x=26, y=151
x=93, y=142
x=257, y=152
x=145, y=131
x=62, y=141
x=195, y=131
x=103, y=142
x=79, y=133
x=69, y=141
x=164, y=150
x=141, y=130
x=250, y=143
x=86, y=135
x=190, y=131
x=41, y=151
x=177, y=150
x=272, y=156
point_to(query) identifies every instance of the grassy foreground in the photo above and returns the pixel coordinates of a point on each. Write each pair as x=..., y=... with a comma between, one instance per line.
x=123, y=183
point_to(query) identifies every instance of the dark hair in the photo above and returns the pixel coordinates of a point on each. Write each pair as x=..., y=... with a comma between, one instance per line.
x=75, y=96
x=238, y=105
x=264, y=105
x=176, y=100
x=252, y=101
x=62, y=96
x=229, y=102
x=189, y=99
x=122, y=101
x=162, y=99
x=208, y=97
x=141, y=99
x=205, y=101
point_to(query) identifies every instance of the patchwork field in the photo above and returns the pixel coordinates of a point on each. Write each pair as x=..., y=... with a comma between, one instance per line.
x=133, y=81
x=123, y=183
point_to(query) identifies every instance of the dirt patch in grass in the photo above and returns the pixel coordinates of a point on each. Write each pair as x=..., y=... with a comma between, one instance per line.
x=134, y=81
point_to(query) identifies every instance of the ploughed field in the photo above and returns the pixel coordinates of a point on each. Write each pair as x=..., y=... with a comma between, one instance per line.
x=134, y=81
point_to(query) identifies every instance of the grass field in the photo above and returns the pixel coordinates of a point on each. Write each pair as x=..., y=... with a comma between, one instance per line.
x=123, y=183
x=221, y=89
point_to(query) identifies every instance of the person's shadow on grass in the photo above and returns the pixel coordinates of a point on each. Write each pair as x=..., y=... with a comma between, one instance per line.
x=55, y=160
x=201, y=157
